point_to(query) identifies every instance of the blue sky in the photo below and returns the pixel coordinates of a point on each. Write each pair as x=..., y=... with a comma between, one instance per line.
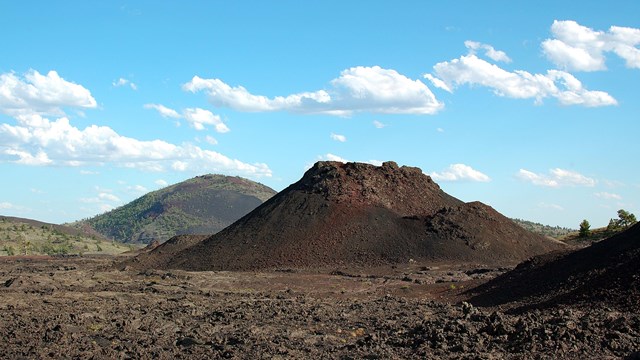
x=530, y=107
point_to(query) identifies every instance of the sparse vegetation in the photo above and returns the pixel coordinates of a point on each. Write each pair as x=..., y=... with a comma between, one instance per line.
x=204, y=204
x=29, y=237
x=546, y=230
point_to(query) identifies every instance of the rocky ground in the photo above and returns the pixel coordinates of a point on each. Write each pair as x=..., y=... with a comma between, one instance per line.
x=84, y=307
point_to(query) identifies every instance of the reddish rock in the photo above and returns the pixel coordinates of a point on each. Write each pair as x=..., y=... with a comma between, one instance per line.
x=361, y=214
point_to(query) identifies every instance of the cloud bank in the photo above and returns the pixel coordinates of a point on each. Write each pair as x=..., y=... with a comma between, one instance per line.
x=358, y=89
x=556, y=178
x=519, y=84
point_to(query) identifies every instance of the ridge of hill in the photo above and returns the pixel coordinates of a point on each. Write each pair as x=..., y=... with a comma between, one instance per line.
x=201, y=205
x=20, y=236
x=606, y=272
x=556, y=232
x=359, y=214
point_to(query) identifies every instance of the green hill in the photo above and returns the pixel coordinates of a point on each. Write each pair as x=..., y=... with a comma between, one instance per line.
x=20, y=236
x=555, y=232
x=202, y=205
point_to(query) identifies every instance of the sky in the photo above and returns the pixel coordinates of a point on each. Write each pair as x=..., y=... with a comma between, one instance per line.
x=530, y=107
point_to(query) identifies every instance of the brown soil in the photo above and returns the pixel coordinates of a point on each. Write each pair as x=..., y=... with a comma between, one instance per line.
x=360, y=215
x=79, y=308
x=606, y=273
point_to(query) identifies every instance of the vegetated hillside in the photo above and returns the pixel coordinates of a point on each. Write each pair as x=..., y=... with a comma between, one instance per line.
x=359, y=214
x=555, y=232
x=607, y=272
x=594, y=235
x=202, y=205
x=20, y=236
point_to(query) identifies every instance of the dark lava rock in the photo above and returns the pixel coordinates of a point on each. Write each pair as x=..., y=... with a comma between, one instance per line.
x=606, y=273
x=357, y=214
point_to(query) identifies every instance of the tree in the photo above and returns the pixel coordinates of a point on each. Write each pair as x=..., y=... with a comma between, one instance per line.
x=584, y=228
x=626, y=218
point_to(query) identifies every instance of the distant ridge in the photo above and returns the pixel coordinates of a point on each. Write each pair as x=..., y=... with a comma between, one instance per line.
x=359, y=214
x=201, y=205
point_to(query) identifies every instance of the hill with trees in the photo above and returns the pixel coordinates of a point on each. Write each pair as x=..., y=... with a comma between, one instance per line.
x=20, y=236
x=201, y=205
x=555, y=232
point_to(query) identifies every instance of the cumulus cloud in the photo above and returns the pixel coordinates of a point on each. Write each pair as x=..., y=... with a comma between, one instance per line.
x=41, y=94
x=608, y=196
x=161, y=182
x=557, y=177
x=198, y=118
x=163, y=111
x=339, y=138
x=36, y=140
x=460, y=172
x=489, y=51
x=124, y=82
x=519, y=84
x=580, y=48
x=358, y=89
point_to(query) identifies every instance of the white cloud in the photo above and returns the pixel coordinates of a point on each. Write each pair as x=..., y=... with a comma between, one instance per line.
x=210, y=140
x=339, y=138
x=198, y=118
x=358, y=89
x=375, y=162
x=378, y=124
x=493, y=54
x=557, y=177
x=89, y=172
x=459, y=172
x=440, y=130
x=163, y=110
x=519, y=84
x=6, y=205
x=138, y=189
x=608, y=196
x=577, y=47
x=108, y=197
x=106, y=207
x=39, y=141
x=550, y=206
x=41, y=94
x=332, y=157
x=161, y=182
x=124, y=82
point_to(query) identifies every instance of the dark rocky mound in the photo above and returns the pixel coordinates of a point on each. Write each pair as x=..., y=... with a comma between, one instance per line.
x=365, y=215
x=155, y=255
x=607, y=272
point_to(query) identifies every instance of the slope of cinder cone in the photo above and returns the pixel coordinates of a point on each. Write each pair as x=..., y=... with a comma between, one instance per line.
x=360, y=214
x=607, y=272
